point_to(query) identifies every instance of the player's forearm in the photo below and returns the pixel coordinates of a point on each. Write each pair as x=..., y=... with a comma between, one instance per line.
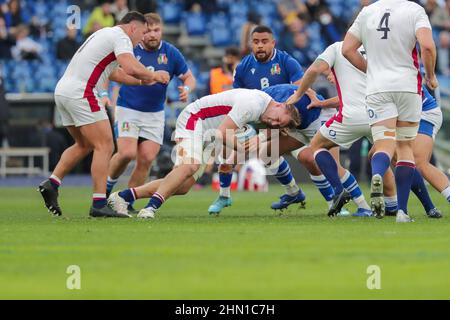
x=190, y=82
x=122, y=77
x=331, y=103
x=308, y=80
x=356, y=59
x=429, y=60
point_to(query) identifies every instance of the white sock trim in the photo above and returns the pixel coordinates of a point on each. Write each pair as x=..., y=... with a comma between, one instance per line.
x=346, y=176
x=99, y=196
x=317, y=178
x=225, y=192
x=55, y=178
x=446, y=192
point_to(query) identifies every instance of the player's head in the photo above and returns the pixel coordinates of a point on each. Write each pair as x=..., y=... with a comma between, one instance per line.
x=231, y=58
x=135, y=25
x=153, y=35
x=281, y=115
x=263, y=43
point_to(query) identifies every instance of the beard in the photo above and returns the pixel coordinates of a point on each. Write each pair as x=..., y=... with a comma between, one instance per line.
x=152, y=45
x=262, y=56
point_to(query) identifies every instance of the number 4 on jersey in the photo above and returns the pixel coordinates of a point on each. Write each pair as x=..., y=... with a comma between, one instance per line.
x=384, y=21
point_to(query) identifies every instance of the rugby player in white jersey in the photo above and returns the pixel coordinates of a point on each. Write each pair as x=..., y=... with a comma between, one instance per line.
x=389, y=31
x=349, y=125
x=76, y=93
x=218, y=115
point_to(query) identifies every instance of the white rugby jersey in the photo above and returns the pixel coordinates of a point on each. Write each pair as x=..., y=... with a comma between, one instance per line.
x=241, y=105
x=93, y=63
x=350, y=84
x=387, y=29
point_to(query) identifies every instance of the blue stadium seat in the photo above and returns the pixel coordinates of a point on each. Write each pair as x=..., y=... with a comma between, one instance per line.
x=195, y=24
x=171, y=12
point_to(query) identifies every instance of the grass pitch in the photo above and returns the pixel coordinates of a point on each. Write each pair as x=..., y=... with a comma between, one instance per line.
x=247, y=253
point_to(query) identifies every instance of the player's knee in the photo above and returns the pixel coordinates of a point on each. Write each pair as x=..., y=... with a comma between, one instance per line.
x=306, y=157
x=84, y=148
x=145, y=160
x=189, y=170
x=127, y=155
x=225, y=168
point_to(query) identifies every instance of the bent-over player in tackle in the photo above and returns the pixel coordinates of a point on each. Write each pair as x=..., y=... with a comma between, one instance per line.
x=223, y=113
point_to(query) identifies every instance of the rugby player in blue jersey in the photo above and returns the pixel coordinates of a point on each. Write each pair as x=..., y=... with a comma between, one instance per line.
x=264, y=67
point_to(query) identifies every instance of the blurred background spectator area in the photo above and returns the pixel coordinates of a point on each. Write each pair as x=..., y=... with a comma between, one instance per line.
x=35, y=44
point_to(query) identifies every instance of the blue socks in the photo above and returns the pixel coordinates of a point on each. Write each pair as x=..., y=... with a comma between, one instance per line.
x=351, y=185
x=225, y=183
x=284, y=174
x=421, y=191
x=391, y=204
x=380, y=163
x=128, y=195
x=156, y=201
x=325, y=188
x=328, y=166
x=404, y=176
x=110, y=183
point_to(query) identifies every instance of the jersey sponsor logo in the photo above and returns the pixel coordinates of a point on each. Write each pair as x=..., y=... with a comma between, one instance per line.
x=138, y=58
x=162, y=59
x=253, y=70
x=276, y=69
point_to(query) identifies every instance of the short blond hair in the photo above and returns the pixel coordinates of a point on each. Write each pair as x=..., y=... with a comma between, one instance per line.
x=295, y=116
x=153, y=18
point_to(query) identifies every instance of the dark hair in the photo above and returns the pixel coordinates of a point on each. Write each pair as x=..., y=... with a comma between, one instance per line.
x=262, y=29
x=133, y=16
x=232, y=51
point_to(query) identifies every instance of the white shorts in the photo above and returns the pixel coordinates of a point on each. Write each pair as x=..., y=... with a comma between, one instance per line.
x=345, y=134
x=405, y=106
x=135, y=124
x=431, y=122
x=79, y=112
x=305, y=135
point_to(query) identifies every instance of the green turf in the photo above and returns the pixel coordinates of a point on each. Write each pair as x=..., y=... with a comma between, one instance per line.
x=247, y=253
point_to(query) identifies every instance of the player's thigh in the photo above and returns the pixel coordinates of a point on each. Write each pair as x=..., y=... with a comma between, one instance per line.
x=290, y=143
x=423, y=148
x=321, y=141
x=75, y=133
x=98, y=134
x=147, y=151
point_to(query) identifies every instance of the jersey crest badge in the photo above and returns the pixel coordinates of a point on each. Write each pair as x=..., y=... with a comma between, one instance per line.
x=275, y=69
x=162, y=59
x=126, y=127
